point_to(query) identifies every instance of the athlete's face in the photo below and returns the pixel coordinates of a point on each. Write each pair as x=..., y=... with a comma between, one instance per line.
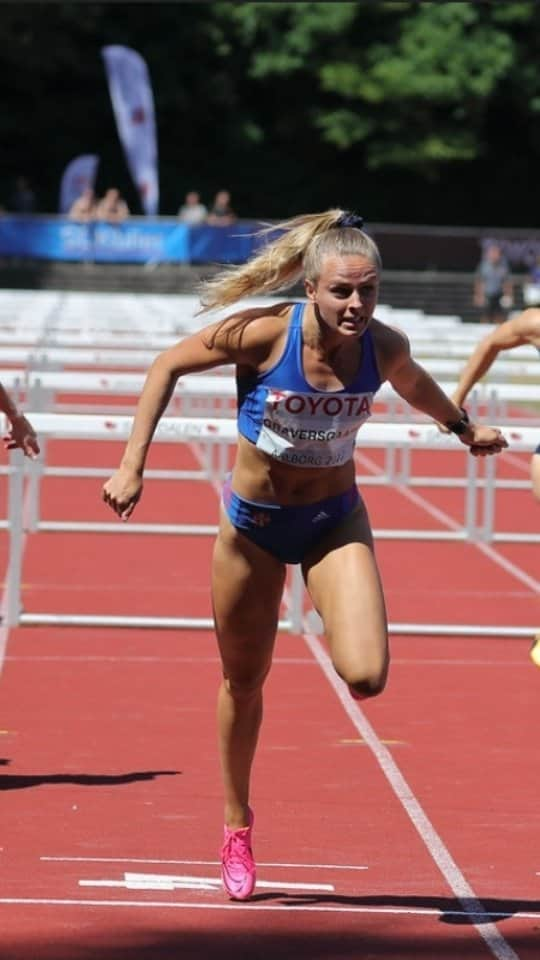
x=345, y=294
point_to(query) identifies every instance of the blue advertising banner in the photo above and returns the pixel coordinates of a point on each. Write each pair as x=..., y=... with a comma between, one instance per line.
x=134, y=241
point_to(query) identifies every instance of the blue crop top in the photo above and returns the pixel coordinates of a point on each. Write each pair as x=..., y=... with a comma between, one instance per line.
x=287, y=418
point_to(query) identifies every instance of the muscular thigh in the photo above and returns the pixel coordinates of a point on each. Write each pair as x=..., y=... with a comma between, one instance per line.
x=247, y=586
x=344, y=584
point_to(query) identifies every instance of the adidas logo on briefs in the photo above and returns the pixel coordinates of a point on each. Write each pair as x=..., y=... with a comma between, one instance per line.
x=320, y=516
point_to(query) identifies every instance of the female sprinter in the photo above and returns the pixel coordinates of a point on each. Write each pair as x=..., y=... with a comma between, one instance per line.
x=307, y=374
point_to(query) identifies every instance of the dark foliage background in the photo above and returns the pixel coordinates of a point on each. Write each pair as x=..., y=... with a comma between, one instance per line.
x=408, y=112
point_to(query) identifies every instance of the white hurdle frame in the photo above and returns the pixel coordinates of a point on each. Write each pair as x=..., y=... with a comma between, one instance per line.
x=41, y=386
x=219, y=434
x=43, y=357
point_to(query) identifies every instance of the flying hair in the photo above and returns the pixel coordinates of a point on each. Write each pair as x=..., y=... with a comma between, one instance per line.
x=298, y=250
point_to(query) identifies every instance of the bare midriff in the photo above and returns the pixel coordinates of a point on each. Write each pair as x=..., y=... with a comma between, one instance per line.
x=257, y=476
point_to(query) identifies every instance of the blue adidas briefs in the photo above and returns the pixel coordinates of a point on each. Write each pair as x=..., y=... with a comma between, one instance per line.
x=290, y=532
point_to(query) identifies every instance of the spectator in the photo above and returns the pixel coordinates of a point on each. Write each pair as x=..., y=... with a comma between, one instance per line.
x=493, y=292
x=531, y=289
x=22, y=199
x=83, y=209
x=221, y=213
x=112, y=207
x=192, y=212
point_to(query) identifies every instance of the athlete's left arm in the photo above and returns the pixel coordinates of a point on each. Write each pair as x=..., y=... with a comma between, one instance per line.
x=412, y=382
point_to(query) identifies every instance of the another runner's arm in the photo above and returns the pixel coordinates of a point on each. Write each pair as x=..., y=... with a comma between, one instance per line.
x=522, y=329
x=20, y=432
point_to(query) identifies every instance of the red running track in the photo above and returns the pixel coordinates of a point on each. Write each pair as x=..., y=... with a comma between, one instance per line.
x=407, y=828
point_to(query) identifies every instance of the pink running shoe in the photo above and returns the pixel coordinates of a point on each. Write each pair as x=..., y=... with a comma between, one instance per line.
x=238, y=870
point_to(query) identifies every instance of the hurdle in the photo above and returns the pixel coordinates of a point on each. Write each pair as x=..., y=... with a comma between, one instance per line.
x=69, y=318
x=41, y=384
x=213, y=434
x=55, y=358
x=215, y=396
x=37, y=343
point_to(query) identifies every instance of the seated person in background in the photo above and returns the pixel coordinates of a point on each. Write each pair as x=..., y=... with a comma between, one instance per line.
x=83, y=208
x=221, y=213
x=112, y=207
x=192, y=212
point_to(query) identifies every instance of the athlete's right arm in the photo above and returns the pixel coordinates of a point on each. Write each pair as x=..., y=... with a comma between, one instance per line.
x=202, y=351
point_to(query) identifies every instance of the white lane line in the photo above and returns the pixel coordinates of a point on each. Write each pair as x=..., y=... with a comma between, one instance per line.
x=128, y=658
x=472, y=906
x=449, y=522
x=276, y=908
x=518, y=462
x=510, y=567
x=160, y=881
x=203, y=863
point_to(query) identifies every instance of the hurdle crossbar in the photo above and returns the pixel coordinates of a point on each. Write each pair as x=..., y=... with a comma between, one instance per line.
x=211, y=433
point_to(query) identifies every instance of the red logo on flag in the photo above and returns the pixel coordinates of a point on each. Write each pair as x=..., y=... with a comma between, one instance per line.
x=138, y=115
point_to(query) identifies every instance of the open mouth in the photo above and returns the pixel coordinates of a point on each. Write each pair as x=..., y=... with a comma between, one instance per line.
x=352, y=323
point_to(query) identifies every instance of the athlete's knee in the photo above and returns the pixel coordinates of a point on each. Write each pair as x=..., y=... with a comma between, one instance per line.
x=367, y=686
x=365, y=680
x=245, y=686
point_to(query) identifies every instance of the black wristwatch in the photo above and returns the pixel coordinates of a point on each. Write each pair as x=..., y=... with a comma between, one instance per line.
x=459, y=426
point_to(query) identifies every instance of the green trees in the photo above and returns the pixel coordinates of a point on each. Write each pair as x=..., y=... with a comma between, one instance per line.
x=407, y=111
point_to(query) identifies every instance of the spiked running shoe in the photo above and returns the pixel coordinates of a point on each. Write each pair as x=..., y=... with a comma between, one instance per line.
x=238, y=870
x=534, y=652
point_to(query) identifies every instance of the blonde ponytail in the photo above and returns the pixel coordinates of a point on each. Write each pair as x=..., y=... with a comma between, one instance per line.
x=277, y=267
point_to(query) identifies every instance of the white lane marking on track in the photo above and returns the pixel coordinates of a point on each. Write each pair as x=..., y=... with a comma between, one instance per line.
x=203, y=863
x=438, y=514
x=472, y=906
x=157, y=881
x=305, y=662
x=273, y=908
x=128, y=658
x=515, y=461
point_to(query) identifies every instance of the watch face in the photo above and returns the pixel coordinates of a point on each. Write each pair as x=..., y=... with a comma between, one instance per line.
x=459, y=426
